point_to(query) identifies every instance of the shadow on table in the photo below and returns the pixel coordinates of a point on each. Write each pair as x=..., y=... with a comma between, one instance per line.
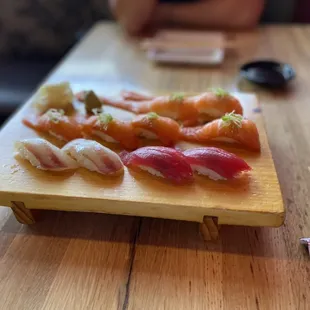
x=147, y=231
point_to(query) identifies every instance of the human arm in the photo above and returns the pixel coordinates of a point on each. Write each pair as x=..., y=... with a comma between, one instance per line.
x=212, y=13
x=133, y=15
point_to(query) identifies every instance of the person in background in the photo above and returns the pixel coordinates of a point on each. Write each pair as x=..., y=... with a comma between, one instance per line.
x=135, y=15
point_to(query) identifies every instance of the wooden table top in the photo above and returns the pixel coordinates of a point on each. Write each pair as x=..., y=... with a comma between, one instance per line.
x=96, y=261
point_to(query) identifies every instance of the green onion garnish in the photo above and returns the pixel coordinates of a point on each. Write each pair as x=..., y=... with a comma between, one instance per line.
x=232, y=118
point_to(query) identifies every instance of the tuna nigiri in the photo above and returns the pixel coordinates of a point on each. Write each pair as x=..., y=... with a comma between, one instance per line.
x=44, y=155
x=215, y=163
x=163, y=162
x=155, y=127
x=94, y=157
x=231, y=128
x=111, y=130
x=55, y=123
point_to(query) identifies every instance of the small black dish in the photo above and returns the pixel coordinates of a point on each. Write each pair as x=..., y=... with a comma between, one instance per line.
x=268, y=73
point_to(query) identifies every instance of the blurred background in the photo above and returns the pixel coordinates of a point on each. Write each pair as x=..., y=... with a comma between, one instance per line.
x=35, y=34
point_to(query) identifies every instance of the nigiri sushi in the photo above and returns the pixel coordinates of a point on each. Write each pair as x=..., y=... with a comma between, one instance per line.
x=190, y=110
x=163, y=162
x=94, y=157
x=176, y=106
x=216, y=103
x=231, y=128
x=215, y=163
x=44, y=155
x=55, y=123
x=111, y=130
x=155, y=127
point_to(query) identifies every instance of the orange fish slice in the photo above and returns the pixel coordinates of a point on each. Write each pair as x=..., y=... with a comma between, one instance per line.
x=231, y=128
x=55, y=123
x=155, y=127
x=111, y=130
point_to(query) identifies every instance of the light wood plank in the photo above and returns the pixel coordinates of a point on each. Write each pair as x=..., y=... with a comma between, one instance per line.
x=67, y=261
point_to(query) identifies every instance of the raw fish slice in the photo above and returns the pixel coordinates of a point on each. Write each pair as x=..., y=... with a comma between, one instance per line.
x=152, y=126
x=176, y=106
x=55, y=123
x=131, y=95
x=163, y=162
x=231, y=128
x=44, y=155
x=216, y=163
x=94, y=157
x=111, y=130
x=215, y=104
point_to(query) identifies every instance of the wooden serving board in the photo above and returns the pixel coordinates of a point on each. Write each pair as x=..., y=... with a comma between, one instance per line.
x=254, y=200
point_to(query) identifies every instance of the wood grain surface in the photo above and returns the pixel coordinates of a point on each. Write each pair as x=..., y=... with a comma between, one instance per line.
x=254, y=200
x=96, y=261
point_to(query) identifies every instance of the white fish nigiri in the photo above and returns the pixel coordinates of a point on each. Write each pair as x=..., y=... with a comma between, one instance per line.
x=94, y=156
x=44, y=155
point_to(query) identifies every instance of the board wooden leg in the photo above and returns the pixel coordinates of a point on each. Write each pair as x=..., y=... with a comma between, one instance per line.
x=209, y=228
x=22, y=214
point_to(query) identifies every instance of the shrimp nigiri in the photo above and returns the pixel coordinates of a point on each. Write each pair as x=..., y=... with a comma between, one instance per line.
x=231, y=128
x=163, y=162
x=155, y=127
x=55, y=123
x=215, y=163
x=94, y=157
x=44, y=155
x=111, y=130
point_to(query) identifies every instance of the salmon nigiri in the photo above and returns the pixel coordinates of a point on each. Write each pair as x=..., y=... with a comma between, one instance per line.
x=155, y=127
x=163, y=162
x=104, y=126
x=94, y=157
x=55, y=123
x=214, y=104
x=231, y=128
x=176, y=106
x=44, y=155
x=209, y=105
x=215, y=163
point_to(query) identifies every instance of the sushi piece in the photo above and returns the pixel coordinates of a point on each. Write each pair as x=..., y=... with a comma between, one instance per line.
x=176, y=106
x=131, y=95
x=44, y=155
x=55, y=123
x=216, y=103
x=231, y=128
x=154, y=127
x=54, y=96
x=163, y=162
x=215, y=163
x=94, y=157
x=190, y=110
x=111, y=130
